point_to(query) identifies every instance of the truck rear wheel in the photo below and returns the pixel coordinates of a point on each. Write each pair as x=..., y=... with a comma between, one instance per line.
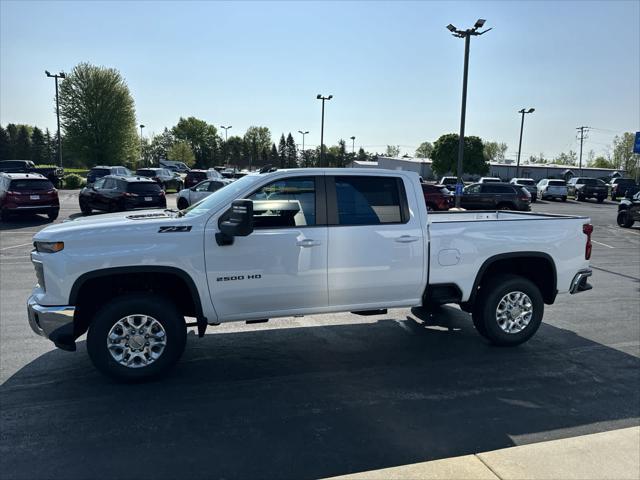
x=136, y=337
x=624, y=219
x=508, y=310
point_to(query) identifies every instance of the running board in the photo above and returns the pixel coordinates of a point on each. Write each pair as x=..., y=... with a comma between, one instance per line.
x=367, y=313
x=262, y=320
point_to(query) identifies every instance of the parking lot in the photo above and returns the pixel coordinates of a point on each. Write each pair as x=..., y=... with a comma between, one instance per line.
x=325, y=395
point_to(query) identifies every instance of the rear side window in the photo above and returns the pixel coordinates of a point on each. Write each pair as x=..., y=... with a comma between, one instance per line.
x=557, y=183
x=290, y=202
x=493, y=188
x=143, y=187
x=30, y=185
x=369, y=200
x=145, y=173
x=588, y=181
x=526, y=182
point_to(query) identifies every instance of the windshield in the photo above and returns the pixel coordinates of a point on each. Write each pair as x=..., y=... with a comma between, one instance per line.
x=526, y=182
x=225, y=195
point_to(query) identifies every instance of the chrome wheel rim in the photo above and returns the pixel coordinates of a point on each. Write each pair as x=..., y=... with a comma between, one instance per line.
x=514, y=312
x=136, y=341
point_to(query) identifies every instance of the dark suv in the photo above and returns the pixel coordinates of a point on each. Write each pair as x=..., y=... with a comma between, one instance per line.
x=101, y=171
x=27, y=193
x=495, y=196
x=582, y=188
x=167, y=179
x=629, y=210
x=620, y=187
x=194, y=177
x=113, y=194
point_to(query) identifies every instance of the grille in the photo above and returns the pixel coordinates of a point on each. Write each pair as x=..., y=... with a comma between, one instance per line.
x=39, y=273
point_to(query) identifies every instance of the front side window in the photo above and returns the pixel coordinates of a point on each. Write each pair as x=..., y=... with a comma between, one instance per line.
x=290, y=202
x=368, y=200
x=473, y=188
x=99, y=183
x=202, y=187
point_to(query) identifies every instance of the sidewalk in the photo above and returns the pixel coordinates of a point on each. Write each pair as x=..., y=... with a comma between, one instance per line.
x=607, y=455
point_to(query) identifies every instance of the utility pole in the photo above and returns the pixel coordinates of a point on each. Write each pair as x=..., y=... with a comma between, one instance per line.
x=466, y=34
x=523, y=111
x=583, y=134
x=57, y=76
x=323, y=98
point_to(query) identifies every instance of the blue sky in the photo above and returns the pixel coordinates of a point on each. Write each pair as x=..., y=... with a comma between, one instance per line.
x=394, y=70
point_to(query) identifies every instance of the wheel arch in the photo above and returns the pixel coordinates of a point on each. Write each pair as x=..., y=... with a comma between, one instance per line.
x=92, y=289
x=538, y=267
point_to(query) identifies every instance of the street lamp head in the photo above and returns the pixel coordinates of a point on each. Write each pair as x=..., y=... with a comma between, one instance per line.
x=141, y=126
x=353, y=138
x=329, y=97
x=531, y=110
x=319, y=97
x=451, y=28
x=62, y=75
x=479, y=23
x=47, y=72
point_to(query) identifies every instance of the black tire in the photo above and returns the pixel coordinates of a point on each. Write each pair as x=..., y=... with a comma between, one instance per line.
x=491, y=293
x=624, y=219
x=53, y=214
x=4, y=215
x=85, y=209
x=600, y=199
x=162, y=310
x=182, y=203
x=613, y=198
x=564, y=199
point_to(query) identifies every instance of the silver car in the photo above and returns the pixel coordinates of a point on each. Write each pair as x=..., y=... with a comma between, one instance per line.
x=190, y=196
x=551, y=188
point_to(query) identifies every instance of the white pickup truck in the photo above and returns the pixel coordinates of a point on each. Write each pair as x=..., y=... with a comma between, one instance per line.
x=294, y=242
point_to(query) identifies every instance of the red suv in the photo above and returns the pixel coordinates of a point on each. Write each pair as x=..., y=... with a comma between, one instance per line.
x=27, y=193
x=437, y=197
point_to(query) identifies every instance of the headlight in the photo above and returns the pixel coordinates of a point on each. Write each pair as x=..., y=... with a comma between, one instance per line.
x=48, y=247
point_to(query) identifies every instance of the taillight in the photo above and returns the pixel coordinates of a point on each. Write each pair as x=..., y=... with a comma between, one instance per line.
x=587, y=229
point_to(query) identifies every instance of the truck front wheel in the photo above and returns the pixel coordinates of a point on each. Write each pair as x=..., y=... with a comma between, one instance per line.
x=136, y=337
x=508, y=310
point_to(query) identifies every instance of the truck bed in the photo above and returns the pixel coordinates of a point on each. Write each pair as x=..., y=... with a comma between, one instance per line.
x=492, y=215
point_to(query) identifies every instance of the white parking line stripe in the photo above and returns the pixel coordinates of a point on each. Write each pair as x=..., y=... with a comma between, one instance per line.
x=16, y=246
x=603, y=244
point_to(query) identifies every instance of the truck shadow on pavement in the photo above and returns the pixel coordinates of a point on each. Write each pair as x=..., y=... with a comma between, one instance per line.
x=313, y=402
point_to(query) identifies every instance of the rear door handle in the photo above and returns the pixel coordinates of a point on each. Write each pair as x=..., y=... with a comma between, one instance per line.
x=407, y=239
x=307, y=242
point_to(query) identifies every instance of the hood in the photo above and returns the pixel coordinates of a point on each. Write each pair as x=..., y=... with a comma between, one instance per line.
x=99, y=223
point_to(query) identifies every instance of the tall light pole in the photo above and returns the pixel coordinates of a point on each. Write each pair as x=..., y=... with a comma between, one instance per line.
x=303, y=134
x=323, y=98
x=353, y=144
x=225, y=131
x=57, y=76
x=466, y=34
x=141, y=146
x=523, y=112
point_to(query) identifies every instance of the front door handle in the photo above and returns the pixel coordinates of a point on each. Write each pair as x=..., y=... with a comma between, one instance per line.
x=407, y=239
x=307, y=242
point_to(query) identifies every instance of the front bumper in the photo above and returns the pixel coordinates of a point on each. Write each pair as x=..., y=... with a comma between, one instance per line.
x=579, y=282
x=54, y=323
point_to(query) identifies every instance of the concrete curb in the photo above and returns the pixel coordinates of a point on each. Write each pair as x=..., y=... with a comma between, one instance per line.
x=606, y=455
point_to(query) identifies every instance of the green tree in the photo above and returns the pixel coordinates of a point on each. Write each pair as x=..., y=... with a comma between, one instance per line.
x=23, y=143
x=363, y=156
x=38, y=147
x=393, y=151
x=159, y=147
x=445, y=155
x=292, y=152
x=424, y=150
x=181, y=151
x=623, y=157
x=5, y=146
x=235, y=146
x=201, y=137
x=12, y=132
x=48, y=147
x=570, y=158
x=494, y=151
x=257, y=139
x=600, y=162
x=282, y=151
x=98, y=116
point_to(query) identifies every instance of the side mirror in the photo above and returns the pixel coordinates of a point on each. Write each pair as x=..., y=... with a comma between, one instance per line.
x=239, y=222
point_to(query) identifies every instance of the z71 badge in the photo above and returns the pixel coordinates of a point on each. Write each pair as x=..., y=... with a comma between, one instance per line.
x=182, y=228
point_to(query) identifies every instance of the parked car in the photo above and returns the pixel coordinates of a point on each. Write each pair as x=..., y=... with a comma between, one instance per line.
x=195, y=176
x=103, y=170
x=620, y=186
x=495, y=196
x=114, y=194
x=232, y=258
x=189, y=196
x=529, y=184
x=166, y=179
x=437, y=197
x=490, y=180
x=629, y=210
x=583, y=188
x=552, y=188
x=174, y=166
x=448, y=181
x=27, y=193
x=53, y=174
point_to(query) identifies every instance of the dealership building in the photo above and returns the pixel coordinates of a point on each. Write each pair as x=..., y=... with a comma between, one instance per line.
x=505, y=170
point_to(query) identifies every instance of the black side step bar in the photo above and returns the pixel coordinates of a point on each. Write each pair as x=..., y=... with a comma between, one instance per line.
x=367, y=313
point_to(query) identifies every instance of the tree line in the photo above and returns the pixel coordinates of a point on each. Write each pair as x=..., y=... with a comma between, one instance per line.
x=26, y=142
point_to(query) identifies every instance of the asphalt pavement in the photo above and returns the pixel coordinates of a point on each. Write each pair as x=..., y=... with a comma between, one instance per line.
x=325, y=395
